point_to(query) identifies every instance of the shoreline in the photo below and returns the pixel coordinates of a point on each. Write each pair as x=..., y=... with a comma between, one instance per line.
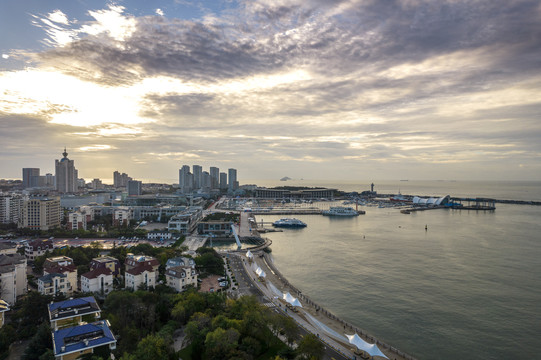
x=319, y=313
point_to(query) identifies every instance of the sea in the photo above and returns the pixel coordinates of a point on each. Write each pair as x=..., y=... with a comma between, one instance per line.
x=439, y=284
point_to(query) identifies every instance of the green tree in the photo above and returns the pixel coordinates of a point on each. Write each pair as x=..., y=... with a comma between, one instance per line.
x=152, y=347
x=220, y=342
x=39, y=343
x=310, y=347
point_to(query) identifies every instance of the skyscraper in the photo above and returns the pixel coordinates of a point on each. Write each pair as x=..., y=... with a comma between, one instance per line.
x=223, y=181
x=135, y=187
x=205, y=180
x=30, y=177
x=120, y=180
x=232, y=179
x=214, y=177
x=185, y=179
x=66, y=175
x=197, y=176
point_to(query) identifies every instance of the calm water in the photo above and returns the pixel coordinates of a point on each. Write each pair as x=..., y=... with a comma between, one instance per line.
x=469, y=287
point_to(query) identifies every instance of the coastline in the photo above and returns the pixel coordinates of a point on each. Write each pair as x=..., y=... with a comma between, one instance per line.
x=318, y=320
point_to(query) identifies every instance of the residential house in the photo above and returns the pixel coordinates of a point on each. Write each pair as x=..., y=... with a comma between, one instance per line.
x=108, y=262
x=7, y=248
x=180, y=261
x=38, y=247
x=4, y=306
x=73, y=342
x=72, y=312
x=133, y=261
x=53, y=284
x=180, y=277
x=62, y=265
x=13, y=282
x=99, y=280
x=143, y=274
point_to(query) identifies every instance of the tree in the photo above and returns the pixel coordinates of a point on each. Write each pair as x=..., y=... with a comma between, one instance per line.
x=310, y=347
x=220, y=342
x=39, y=343
x=152, y=348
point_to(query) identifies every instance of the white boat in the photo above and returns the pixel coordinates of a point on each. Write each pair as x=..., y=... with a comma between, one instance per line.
x=341, y=211
x=289, y=223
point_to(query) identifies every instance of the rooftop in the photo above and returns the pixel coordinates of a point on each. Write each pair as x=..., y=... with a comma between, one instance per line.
x=73, y=307
x=82, y=337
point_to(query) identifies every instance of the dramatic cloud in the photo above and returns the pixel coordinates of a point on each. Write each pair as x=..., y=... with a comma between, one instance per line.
x=392, y=87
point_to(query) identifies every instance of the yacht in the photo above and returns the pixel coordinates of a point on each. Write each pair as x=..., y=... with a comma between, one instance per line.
x=289, y=223
x=341, y=211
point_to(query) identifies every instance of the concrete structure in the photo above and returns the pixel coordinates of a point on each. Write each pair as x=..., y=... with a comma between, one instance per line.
x=41, y=213
x=77, y=221
x=185, y=222
x=96, y=184
x=121, y=217
x=185, y=179
x=13, y=282
x=62, y=265
x=72, y=312
x=106, y=262
x=223, y=181
x=159, y=235
x=38, y=247
x=197, y=176
x=306, y=194
x=99, y=280
x=143, y=274
x=215, y=228
x=30, y=177
x=180, y=261
x=10, y=208
x=72, y=342
x=7, y=248
x=205, y=181
x=180, y=277
x=120, y=180
x=57, y=261
x=53, y=284
x=135, y=188
x=232, y=183
x=66, y=175
x=214, y=177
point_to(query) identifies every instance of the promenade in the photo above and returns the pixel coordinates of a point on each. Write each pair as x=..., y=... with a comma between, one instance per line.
x=311, y=317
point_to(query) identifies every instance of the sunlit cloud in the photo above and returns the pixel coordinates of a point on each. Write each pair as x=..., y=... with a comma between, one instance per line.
x=96, y=148
x=160, y=12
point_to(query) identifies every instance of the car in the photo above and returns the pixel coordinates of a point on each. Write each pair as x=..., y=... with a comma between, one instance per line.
x=223, y=283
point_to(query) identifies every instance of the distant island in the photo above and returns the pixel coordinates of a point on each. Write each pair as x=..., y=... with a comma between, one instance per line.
x=285, y=178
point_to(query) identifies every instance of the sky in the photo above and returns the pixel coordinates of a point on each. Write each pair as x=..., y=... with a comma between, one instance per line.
x=313, y=89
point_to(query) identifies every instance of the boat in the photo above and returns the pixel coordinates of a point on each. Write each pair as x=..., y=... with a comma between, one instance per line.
x=289, y=223
x=341, y=211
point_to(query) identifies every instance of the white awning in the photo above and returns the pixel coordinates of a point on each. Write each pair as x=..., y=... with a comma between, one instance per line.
x=291, y=300
x=371, y=349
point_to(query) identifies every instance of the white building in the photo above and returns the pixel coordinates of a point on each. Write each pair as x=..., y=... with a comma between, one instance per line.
x=77, y=221
x=159, y=235
x=10, y=208
x=36, y=248
x=13, y=282
x=185, y=222
x=53, y=284
x=99, y=280
x=122, y=216
x=139, y=275
x=41, y=213
x=66, y=175
x=180, y=277
x=62, y=265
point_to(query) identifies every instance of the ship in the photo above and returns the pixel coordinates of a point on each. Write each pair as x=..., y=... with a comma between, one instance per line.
x=289, y=223
x=341, y=211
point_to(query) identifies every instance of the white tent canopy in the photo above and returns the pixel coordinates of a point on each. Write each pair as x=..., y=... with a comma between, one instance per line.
x=290, y=299
x=249, y=254
x=371, y=349
x=260, y=272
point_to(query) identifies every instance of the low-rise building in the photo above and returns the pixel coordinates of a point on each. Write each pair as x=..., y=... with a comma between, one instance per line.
x=70, y=271
x=215, y=228
x=99, y=280
x=7, y=248
x=76, y=221
x=73, y=312
x=180, y=277
x=53, y=284
x=57, y=261
x=143, y=274
x=106, y=262
x=38, y=247
x=122, y=216
x=13, y=282
x=185, y=222
x=73, y=342
x=159, y=235
x=180, y=261
x=133, y=261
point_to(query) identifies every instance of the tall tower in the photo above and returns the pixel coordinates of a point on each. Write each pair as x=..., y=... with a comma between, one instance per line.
x=197, y=176
x=214, y=177
x=232, y=179
x=184, y=179
x=30, y=177
x=66, y=175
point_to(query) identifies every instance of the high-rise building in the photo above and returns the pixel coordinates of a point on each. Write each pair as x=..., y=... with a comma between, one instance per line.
x=223, y=181
x=185, y=180
x=96, y=184
x=10, y=208
x=30, y=177
x=232, y=179
x=66, y=175
x=214, y=177
x=197, y=176
x=41, y=213
x=120, y=180
x=205, y=181
x=135, y=188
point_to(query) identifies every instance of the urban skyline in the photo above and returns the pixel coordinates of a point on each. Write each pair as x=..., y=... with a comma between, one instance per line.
x=306, y=89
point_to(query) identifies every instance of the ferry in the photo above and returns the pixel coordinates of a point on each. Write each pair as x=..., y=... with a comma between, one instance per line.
x=341, y=211
x=289, y=223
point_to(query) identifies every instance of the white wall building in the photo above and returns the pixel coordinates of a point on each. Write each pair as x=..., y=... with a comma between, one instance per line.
x=13, y=282
x=180, y=277
x=99, y=281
